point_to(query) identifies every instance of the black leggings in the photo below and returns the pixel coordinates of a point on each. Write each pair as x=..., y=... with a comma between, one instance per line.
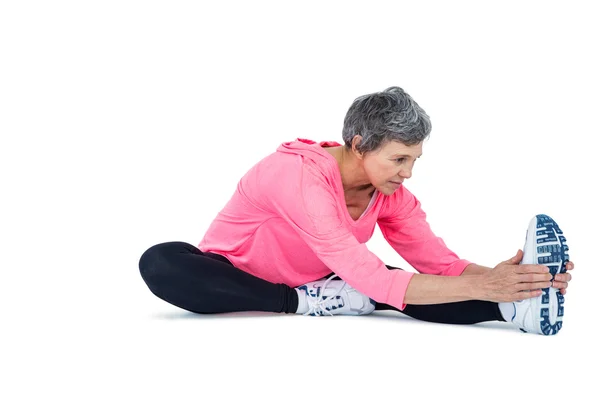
x=207, y=283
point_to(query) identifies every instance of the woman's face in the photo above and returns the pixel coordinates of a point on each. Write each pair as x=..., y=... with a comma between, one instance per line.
x=392, y=163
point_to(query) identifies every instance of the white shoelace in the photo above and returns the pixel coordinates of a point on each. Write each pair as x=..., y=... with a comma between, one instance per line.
x=319, y=302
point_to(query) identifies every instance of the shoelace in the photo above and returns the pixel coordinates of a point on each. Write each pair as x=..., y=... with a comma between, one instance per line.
x=319, y=303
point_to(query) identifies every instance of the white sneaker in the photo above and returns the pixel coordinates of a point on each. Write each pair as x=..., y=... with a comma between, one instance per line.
x=544, y=244
x=331, y=297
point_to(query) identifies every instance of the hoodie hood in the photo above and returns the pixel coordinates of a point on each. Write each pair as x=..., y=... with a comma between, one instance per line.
x=314, y=152
x=308, y=148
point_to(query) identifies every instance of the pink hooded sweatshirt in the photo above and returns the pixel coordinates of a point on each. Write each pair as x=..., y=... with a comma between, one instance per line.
x=287, y=222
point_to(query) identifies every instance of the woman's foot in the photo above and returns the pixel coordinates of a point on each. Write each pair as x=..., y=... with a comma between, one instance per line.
x=544, y=244
x=331, y=297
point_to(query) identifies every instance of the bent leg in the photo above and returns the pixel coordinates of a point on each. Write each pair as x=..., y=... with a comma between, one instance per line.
x=207, y=283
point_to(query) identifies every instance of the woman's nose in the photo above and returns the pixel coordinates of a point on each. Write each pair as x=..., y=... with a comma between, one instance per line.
x=406, y=173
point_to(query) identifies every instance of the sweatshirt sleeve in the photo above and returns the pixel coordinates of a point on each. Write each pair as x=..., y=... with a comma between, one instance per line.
x=403, y=224
x=303, y=197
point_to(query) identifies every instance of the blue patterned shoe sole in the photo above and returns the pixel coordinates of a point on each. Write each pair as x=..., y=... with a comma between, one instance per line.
x=552, y=251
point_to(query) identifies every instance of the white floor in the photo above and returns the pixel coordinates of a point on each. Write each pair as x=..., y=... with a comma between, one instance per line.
x=119, y=341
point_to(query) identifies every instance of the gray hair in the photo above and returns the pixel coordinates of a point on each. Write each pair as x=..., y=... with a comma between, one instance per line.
x=382, y=117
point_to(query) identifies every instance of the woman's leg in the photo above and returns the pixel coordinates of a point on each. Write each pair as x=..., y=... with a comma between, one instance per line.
x=462, y=312
x=208, y=283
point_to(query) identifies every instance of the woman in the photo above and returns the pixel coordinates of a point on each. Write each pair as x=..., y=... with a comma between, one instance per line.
x=292, y=238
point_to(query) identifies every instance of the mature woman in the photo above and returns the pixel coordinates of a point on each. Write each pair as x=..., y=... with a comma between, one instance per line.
x=292, y=238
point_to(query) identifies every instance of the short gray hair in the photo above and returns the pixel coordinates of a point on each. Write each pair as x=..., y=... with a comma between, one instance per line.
x=382, y=117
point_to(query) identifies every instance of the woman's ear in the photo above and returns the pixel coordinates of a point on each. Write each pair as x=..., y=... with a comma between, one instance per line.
x=355, y=142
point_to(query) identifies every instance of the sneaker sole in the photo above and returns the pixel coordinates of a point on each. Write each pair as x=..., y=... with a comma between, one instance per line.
x=546, y=243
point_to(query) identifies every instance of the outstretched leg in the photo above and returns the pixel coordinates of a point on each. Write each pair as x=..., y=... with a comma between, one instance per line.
x=462, y=312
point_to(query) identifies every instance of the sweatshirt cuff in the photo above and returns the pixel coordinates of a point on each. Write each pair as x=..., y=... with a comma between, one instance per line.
x=398, y=288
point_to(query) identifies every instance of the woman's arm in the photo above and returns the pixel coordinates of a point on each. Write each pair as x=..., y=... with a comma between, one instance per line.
x=404, y=226
x=508, y=281
x=436, y=289
x=475, y=269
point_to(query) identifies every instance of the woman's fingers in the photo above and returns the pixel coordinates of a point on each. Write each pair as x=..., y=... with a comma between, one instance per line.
x=527, y=295
x=570, y=265
x=564, y=277
x=560, y=285
x=531, y=269
x=533, y=285
x=535, y=277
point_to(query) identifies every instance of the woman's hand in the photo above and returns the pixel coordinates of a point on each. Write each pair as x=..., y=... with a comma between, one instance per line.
x=561, y=281
x=510, y=281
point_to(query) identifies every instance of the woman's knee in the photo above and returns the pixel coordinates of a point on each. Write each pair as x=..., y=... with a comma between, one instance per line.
x=154, y=262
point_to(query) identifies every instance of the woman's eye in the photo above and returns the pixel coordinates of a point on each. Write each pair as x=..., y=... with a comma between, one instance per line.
x=400, y=160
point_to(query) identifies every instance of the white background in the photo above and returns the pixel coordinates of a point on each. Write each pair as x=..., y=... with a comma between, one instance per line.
x=129, y=123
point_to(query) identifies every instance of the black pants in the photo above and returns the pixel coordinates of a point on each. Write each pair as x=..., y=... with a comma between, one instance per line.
x=208, y=283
